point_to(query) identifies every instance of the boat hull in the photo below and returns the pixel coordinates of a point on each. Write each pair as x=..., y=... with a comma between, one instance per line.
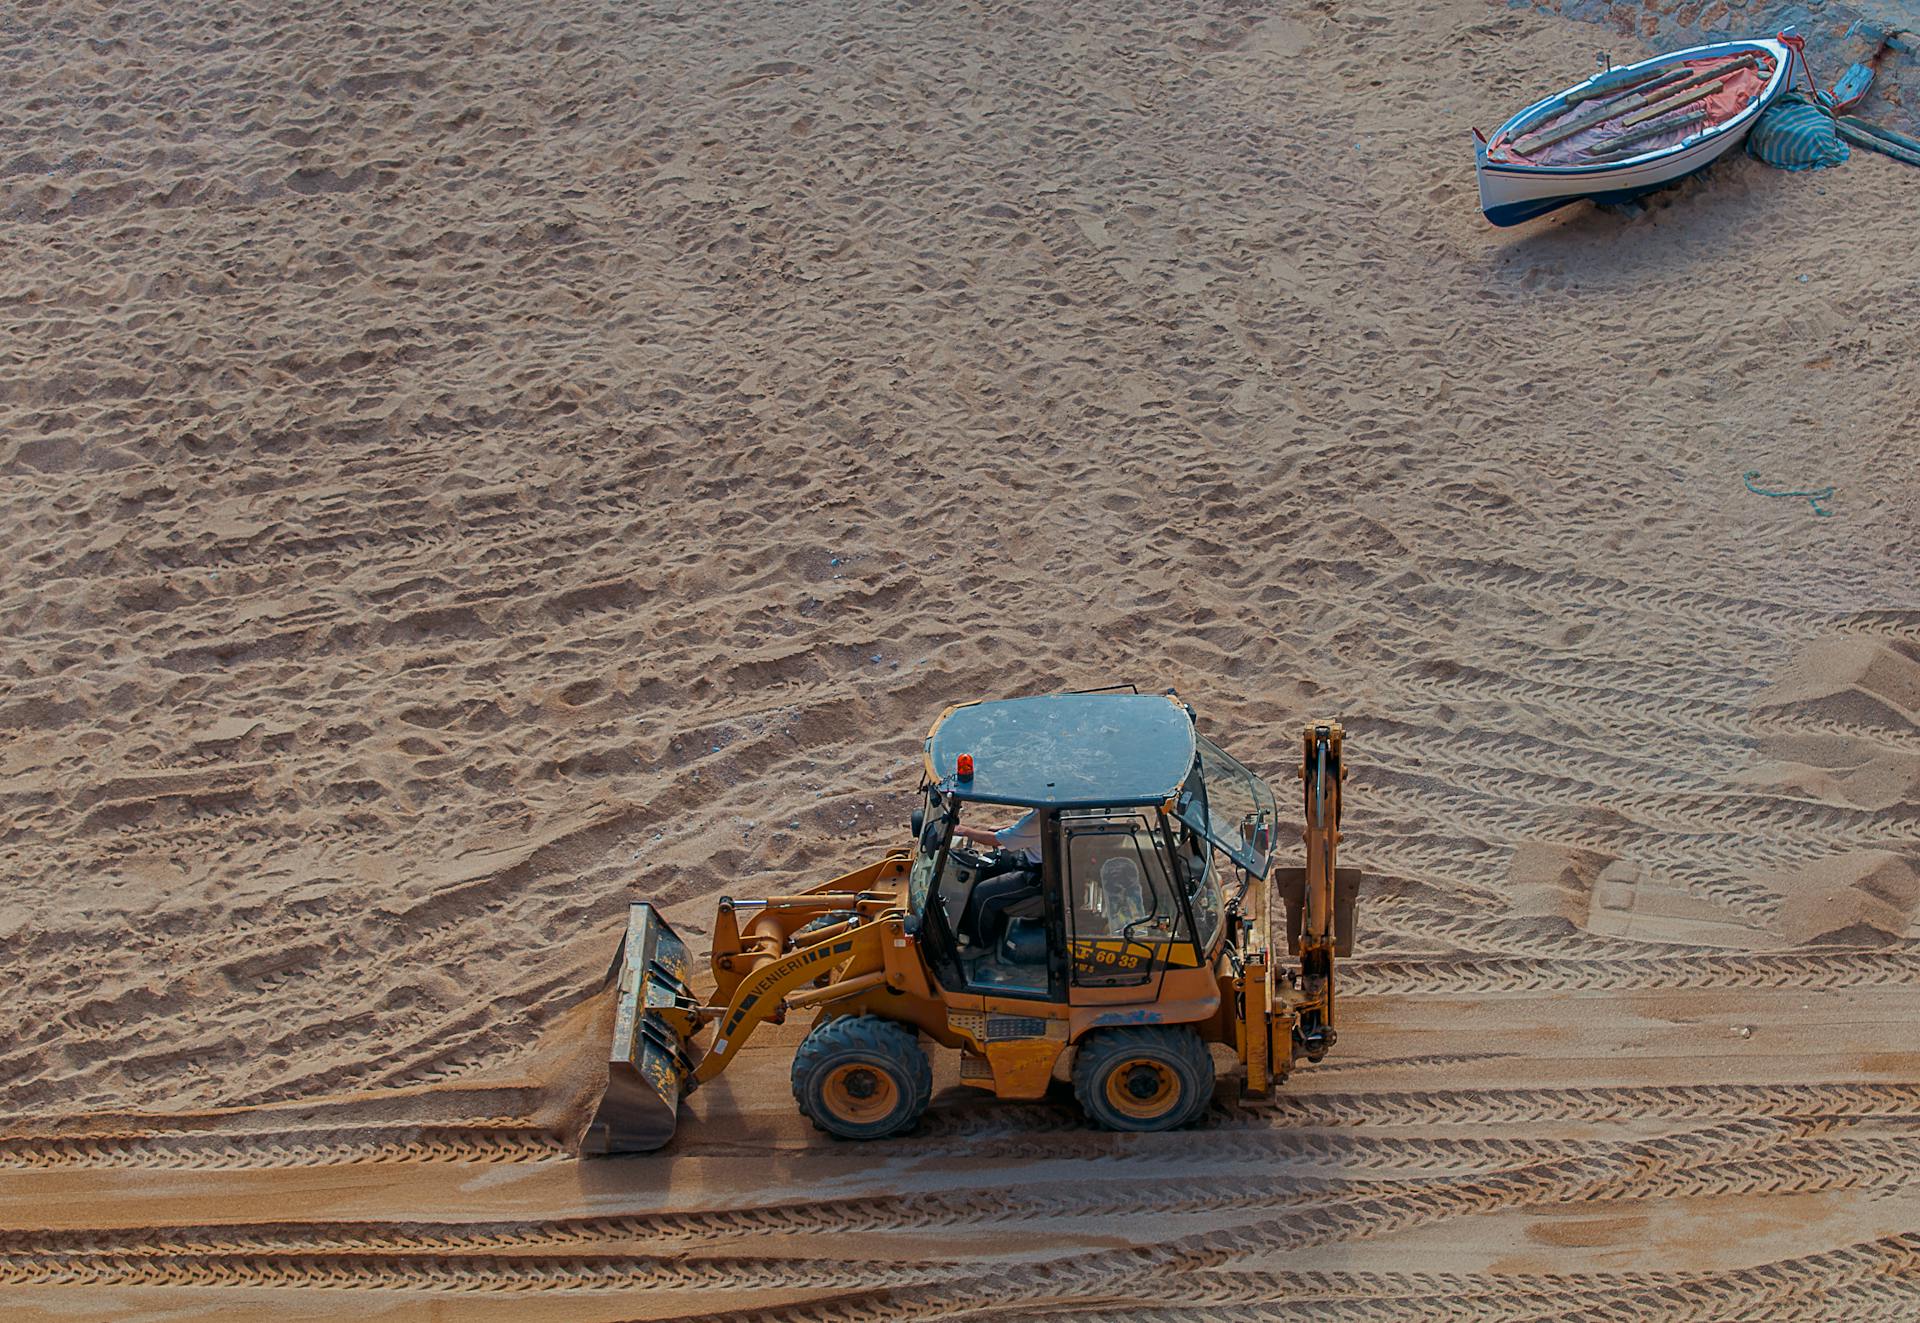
x=1512, y=193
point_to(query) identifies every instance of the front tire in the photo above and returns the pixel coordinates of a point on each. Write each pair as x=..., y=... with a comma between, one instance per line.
x=1143, y=1079
x=862, y=1077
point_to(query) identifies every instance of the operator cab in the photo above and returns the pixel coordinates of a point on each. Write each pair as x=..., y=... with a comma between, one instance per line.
x=1125, y=805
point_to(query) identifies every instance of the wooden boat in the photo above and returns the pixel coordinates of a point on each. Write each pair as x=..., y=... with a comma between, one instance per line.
x=1629, y=130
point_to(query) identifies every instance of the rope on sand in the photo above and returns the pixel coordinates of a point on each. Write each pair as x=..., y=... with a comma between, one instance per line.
x=1812, y=498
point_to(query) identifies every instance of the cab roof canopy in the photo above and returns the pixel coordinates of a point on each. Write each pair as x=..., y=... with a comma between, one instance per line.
x=1065, y=750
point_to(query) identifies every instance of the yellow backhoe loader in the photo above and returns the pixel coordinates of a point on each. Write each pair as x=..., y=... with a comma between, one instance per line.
x=1121, y=937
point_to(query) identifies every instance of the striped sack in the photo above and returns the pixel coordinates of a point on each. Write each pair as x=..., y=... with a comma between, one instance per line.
x=1795, y=134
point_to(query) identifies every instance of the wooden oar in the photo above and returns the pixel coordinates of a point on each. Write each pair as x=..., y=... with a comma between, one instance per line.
x=1624, y=144
x=1547, y=136
x=1602, y=86
x=1671, y=103
x=1533, y=142
x=1876, y=138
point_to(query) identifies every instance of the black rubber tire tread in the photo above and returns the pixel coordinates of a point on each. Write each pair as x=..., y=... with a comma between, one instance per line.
x=1176, y=1045
x=885, y=1045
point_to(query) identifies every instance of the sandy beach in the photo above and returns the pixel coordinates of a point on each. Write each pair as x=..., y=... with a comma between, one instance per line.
x=466, y=471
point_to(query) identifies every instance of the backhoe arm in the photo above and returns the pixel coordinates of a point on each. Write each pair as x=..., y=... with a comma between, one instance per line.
x=1319, y=897
x=1320, y=773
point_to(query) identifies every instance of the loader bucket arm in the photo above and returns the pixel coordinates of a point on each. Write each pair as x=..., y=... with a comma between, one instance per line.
x=652, y=1063
x=857, y=956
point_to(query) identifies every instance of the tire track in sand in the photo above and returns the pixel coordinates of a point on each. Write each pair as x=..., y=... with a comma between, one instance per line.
x=1815, y=1164
x=1869, y=1279
x=1521, y=975
x=491, y=1140
x=426, y=1261
x=978, y=1130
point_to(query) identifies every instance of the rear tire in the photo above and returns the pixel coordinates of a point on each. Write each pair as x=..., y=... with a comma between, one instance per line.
x=1143, y=1079
x=862, y=1077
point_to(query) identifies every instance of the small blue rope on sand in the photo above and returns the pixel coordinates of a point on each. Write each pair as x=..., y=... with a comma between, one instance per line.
x=1811, y=498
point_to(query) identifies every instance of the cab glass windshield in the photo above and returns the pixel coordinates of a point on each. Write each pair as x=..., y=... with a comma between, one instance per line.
x=1230, y=806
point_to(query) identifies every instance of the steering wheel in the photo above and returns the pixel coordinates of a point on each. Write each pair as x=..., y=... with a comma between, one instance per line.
x=968, y=856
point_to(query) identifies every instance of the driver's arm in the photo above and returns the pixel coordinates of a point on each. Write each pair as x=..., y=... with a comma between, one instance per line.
x=978, y=835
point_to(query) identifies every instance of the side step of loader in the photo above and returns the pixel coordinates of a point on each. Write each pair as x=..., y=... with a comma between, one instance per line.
x=649, y=1065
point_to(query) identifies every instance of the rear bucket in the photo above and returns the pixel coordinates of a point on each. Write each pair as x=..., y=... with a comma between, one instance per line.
x=1291, y=883
x=648, y=1066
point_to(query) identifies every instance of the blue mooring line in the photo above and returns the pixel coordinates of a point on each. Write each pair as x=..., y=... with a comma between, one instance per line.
x=1812, y=498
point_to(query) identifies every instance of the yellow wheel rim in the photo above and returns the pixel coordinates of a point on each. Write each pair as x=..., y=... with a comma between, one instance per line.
x=1142, y=1088
x=860, y=1093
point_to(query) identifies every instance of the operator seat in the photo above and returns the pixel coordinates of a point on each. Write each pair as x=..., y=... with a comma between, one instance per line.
x=1025, y=942
x=992, y=898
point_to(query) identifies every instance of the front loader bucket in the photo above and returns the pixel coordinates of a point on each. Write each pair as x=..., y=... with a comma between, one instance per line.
x=648, y=1066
